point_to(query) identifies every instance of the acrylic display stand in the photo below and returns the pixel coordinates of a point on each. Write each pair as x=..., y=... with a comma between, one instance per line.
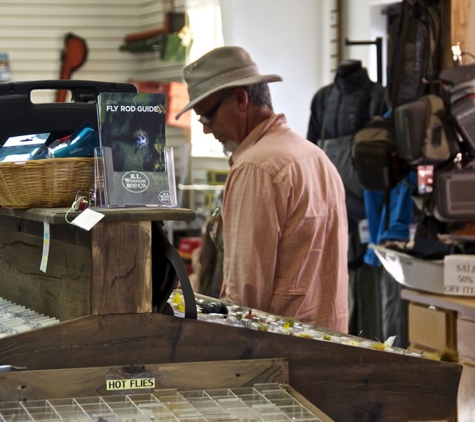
x=133, y=188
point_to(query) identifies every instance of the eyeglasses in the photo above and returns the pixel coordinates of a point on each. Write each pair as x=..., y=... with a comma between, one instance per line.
x=205, y=118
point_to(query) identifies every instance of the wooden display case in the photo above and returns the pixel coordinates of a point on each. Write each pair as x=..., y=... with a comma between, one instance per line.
x=99, y=285
x=25, y=386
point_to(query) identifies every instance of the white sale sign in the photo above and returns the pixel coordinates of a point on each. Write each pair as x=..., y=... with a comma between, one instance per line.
x=459, y=275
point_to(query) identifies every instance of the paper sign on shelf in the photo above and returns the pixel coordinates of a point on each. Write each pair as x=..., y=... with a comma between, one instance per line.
x=459, y=275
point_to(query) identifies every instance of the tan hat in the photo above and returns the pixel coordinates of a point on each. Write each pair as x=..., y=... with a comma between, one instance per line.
x=223, y=67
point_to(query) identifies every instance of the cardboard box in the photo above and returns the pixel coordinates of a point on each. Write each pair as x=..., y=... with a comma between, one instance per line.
x=176, y=98
x=431, y=328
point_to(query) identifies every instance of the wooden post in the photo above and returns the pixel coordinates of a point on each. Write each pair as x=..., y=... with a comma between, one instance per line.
x=121, y=268
x=462, y=19
x=459, y=27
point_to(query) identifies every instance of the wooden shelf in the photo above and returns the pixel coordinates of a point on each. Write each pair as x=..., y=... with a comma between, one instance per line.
x=57, y=215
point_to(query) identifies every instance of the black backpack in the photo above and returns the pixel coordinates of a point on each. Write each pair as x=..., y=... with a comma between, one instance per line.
x=414, y=58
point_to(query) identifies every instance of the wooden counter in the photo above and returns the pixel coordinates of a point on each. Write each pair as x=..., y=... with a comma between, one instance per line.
x=464, y=305
x=440, y=321
x=99, y=284
x=347, y=383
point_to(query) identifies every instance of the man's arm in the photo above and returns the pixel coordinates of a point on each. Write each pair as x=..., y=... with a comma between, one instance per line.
x=251, y=237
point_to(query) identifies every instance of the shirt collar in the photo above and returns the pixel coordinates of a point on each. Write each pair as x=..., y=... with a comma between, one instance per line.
x=256, y=134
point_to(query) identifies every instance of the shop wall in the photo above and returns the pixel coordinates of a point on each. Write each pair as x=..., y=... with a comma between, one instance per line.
x=356, y=26
x=362, y=20
x=290, y=38
x=32, y=33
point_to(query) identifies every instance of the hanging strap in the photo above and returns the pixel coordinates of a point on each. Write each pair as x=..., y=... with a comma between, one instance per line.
x=174, y=258
x=405, y=8
x=324, y=116
x=387, y=202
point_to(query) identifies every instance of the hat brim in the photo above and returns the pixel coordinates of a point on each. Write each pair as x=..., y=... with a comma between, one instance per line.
x=251, y=80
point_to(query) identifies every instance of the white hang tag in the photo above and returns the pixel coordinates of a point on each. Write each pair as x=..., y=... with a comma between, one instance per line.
x=46, y=242
x=87, y=219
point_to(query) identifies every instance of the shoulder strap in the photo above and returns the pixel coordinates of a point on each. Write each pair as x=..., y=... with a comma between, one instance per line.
x=167, y=285
x=377, y=102
x=387, y=202
x=435, y=22
x=404, y=23
x=448, y=143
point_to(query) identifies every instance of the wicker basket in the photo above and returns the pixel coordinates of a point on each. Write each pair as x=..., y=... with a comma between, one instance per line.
x=45, y=183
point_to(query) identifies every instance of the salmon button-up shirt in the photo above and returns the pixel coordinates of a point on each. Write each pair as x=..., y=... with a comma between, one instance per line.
x=285, y=230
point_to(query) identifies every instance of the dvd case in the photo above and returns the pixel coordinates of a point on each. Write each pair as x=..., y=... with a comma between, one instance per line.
x=133, y=165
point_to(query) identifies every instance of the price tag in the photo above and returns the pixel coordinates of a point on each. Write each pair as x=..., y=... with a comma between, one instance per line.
x=46, y=242
x=459, y=275
x=363, y=231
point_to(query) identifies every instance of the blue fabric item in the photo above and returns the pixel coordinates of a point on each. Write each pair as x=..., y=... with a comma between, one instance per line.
x=400, y=215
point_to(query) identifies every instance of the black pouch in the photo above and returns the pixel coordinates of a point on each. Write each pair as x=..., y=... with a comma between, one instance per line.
x=377, y=164
x=455, y=196
x=463, y=113
x=459, y=94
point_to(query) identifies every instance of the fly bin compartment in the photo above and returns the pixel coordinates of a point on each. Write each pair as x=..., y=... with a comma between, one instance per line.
x=26, y=125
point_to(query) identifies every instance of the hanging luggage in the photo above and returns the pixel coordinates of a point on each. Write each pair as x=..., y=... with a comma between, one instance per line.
x=423, y=134
x=455, y=196
x=459, y=93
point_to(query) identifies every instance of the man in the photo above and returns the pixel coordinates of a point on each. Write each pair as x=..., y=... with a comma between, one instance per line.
x=285, y=232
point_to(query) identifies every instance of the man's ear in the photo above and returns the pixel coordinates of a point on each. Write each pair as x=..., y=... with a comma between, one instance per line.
x=241, y=98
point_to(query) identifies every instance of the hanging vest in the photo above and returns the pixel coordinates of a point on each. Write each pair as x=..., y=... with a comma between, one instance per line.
x=339, y=110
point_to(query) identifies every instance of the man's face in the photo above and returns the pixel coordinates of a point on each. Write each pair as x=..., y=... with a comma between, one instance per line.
x=217, y=114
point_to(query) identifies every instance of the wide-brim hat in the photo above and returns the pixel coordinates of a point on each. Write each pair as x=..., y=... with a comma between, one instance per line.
x=223, y=67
